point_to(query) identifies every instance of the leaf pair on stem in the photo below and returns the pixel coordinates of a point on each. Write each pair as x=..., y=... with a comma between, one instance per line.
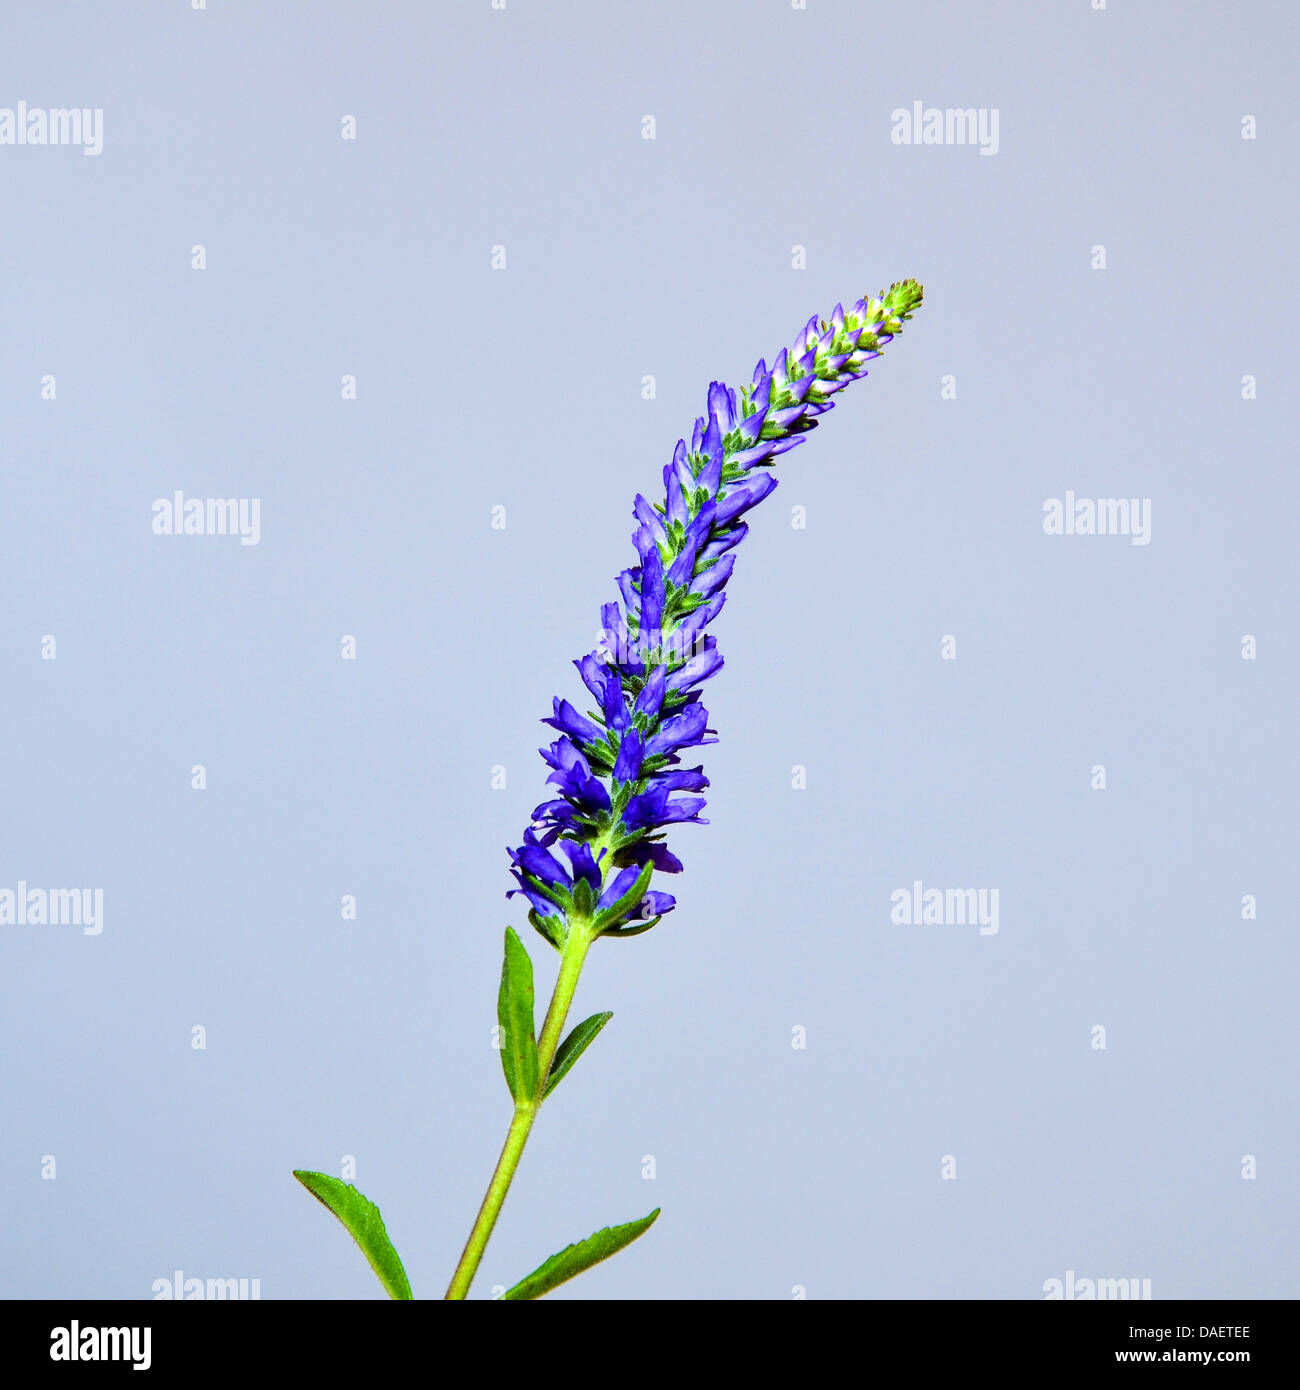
x=521, y=1062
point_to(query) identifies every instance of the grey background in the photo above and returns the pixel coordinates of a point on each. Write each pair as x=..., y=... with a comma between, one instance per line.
x=775, y=1167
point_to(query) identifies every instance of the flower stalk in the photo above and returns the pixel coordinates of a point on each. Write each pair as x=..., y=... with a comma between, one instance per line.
x=617, y=770
x=572, y=959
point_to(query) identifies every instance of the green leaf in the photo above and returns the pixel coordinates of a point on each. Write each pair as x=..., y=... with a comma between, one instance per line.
x=515, y=1015
x=573, y=1259
x=572, y=1048
x=365, y=1225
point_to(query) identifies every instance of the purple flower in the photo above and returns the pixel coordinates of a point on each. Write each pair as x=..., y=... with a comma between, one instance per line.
x=617, y=768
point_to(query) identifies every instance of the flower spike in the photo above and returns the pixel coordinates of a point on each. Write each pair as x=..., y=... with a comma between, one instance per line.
x=617, y=767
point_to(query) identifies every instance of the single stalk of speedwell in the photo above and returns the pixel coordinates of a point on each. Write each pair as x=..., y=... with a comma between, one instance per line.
x=617, y=770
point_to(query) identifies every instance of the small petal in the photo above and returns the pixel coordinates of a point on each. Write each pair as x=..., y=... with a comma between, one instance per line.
x=720, y=544
x=677, y=510
x=568, y=721
x=684, y=779
x=584, y=863
x=682, y=570
x=696, y=622
x=722, y=406
x=740, y=498
x=652, y=693
x=656, y=853
x=714, y=577
x=710, y=478
x=627, y=766
x=682, y=730
x=650, y=519
x=652, y=596
x=699, y=668
x=542, y=865
x=621, y=883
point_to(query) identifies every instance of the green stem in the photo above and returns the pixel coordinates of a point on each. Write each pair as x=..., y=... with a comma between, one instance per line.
x=571, y=962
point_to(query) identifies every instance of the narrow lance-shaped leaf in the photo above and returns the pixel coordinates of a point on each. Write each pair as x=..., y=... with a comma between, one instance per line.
x=364, y=1223
x=515, y=1015
x=572, y=1048
x=573, y=1259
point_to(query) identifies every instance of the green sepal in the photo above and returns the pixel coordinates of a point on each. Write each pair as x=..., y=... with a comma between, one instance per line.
x=601, y=757
x=574, y=1259
x=550, y=929
x=615, y=912
x=365, y=1225
x=561, y=897
x=689, y=602
x=572, y=1048
x=515, y=1015
x=583, y=898
x=631, y=931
